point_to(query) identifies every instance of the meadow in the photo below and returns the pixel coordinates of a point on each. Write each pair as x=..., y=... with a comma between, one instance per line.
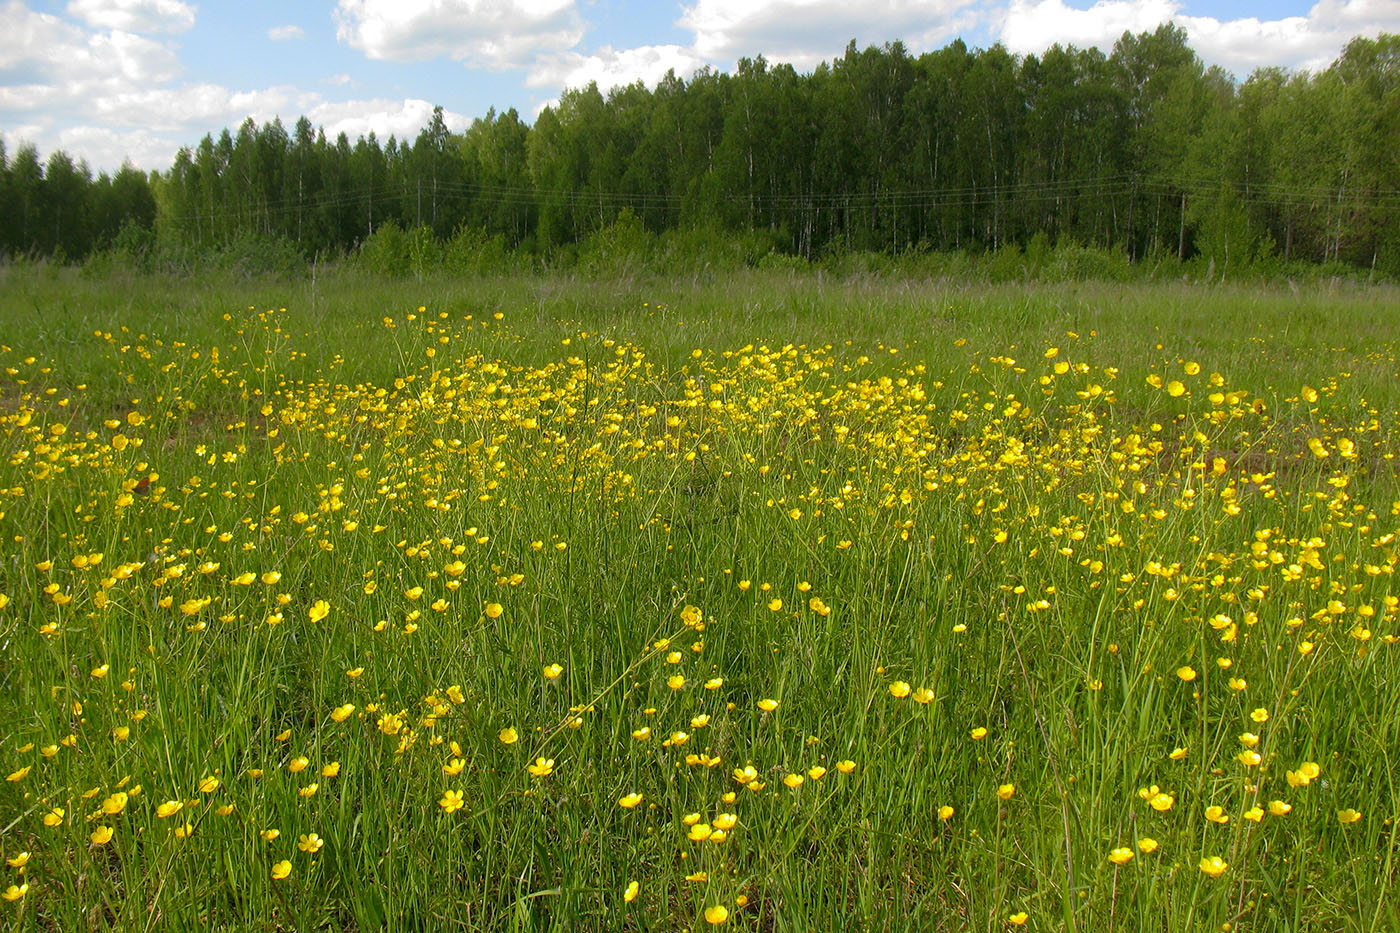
x=764, y=601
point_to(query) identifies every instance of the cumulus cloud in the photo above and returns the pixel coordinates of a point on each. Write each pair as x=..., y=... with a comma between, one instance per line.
x=158, y=16
x=1240, y=45
x=403, y=118
x=171, y=109
x=1035, y=25
x=482, y=33
x=806, y=32
x=285, y=33
x=47, y=60
x=611, y=67
x=141, y=148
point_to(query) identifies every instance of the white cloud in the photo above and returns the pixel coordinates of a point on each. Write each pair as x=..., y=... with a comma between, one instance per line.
x=357, y=118
x=1240, y=45
x=141, y=148
x=172, y=109
x=806, y=32
x=489, y=33
x=340, y=80
x=611, y=67
x=160, y=16
x=285, y=33
x=1035, y=25
x=49, y=61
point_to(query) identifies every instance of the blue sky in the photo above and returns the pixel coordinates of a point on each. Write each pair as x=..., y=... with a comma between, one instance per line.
x=115, y=80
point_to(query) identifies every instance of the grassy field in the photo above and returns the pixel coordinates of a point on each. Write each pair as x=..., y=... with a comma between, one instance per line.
x=760, y=602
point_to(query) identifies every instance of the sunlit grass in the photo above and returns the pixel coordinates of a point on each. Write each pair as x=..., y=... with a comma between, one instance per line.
x=778, y=604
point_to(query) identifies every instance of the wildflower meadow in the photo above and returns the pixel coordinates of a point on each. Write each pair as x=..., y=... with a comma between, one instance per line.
x=782, y=602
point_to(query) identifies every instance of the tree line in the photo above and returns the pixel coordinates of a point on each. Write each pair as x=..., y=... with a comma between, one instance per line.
x=1145, y=152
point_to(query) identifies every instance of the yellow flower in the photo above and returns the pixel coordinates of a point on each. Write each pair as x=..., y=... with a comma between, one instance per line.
x=1307, y=772
x=319, y=610
x=270, y=834
x=298, y=764
x=508, y=736
x=1186, y=672
x=1006, y=791
x=54, y=817
x=281, y=870
x=1217, y=815
x=1254, y=814
x=20, y=775
x=726, y=821
x=700, y=832
x=1348, y=816
x=1161, y=802
x=113, y=804
x=1177, y=754
x=342, y=713
x=793, y=780
x=19, y=861
x=552, y=671
x=1019, y=918
x=1147, y=845
x=309, y=790
x=494, y=610
x=1260, y=715
x=846, y=766
x=767, y=705
x=816, y=772
x=1175, y=389
x=899, y=689
x=14, y=893
x=1121, y=856
x=184, y=830
x=630, y=801
x=101, y=835
x=675, y=681
x=310, y=843
x=542, y=767
x=169, y=809
x=1279, y=808
x=630, y=894
x=945, y=812
x=923, y=695
x=208, y=785
x=1249, y=758
x=716, y=915
x=1214, y=866
x=775, y=604
x=978, y=733
x=642, y=734
x=451, y=801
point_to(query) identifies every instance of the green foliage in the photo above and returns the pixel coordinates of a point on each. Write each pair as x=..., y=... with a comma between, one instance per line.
x=1145, y=151
x=386, y=251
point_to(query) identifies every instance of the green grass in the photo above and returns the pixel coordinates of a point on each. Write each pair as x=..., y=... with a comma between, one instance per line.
x=1033, y=552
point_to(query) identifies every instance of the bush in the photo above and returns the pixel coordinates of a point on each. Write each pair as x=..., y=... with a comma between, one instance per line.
x=474, y=252
x=385, y=252
x=622, y=248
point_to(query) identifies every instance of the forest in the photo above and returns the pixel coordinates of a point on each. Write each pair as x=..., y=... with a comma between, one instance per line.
x=1145, y=152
